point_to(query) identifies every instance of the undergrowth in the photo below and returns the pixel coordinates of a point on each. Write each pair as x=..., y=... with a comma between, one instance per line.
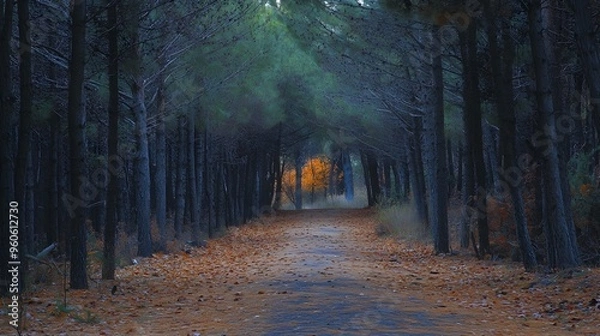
x=401, y=221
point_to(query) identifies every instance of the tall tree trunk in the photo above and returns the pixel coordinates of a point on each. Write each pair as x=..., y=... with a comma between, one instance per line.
x=387, y=177
x=367, y=178
x=6, y=131
x=200, y=173
x=562, y=251
x=404, y=179
x=373, y=167
x=434, y=149
x=142, y=170
x=467, y=191
x=180, y=179
x=250, y=186
x=476, y=200
x=348, y=175
x=77, y=121
x=279, y=167
x=192, y=185
x=110, y=227
x=298, y=163
x=556, y=19
x=160, y=174
x=510, y=177
x=415, y=160
x=22, y=177
x=52, y=213
x=502, y=71
x=451, y=176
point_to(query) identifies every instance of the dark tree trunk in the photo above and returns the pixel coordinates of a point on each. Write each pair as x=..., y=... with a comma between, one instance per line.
x=23, y=184
x=435, y=151
x=52, y=213
x=160, y=174
x=201, y=142
x=192, y=185
x=299, y=162
x=367, y=178
x=459, y=168
x=451, y=176
x=250, y=187
x=387, y=177
x=110, y=227
x=403, y=180
x=141, y=171
x=476, y=197
x=77, y=119
x=180, y=180
x=279, y=167
x=510, y=177
x=563, y=251
x=6, y=131
x=416, y=170
x=555, y=19
x=348, y=175
x=373, y=167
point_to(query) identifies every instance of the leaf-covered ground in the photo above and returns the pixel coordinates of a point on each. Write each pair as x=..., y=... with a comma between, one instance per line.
x=320, y=272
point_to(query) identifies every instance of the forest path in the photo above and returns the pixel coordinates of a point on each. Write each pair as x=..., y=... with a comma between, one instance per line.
x=313, y=272
x=329, y=282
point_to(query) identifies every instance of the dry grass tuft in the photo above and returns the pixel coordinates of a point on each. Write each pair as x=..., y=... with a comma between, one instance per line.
x=401, y=221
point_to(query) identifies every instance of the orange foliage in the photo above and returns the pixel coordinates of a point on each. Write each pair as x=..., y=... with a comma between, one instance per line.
x=315, y=174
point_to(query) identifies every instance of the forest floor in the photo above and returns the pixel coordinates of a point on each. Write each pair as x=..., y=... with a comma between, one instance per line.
x=319, y=272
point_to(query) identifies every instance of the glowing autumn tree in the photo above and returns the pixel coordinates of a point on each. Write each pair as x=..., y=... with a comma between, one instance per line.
x=315, y=178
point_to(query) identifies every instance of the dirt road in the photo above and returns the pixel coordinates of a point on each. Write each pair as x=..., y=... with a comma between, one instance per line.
x=331, y=279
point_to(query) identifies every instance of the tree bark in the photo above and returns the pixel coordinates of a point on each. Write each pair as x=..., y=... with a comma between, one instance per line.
x=142, y=170
x=563, y=251
x=373, y=167
x=510, y=178
x=476, y=198
x=160, y=174
x=451, y=176
x=348, y=175
x=110, y=227
x=192, y=185
x=435, y=151
x=387, y=177
x=6, y=131
x=366, y=176
x=180, y=179
x=23, y=186
x=417, y=171
x=77, y=122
